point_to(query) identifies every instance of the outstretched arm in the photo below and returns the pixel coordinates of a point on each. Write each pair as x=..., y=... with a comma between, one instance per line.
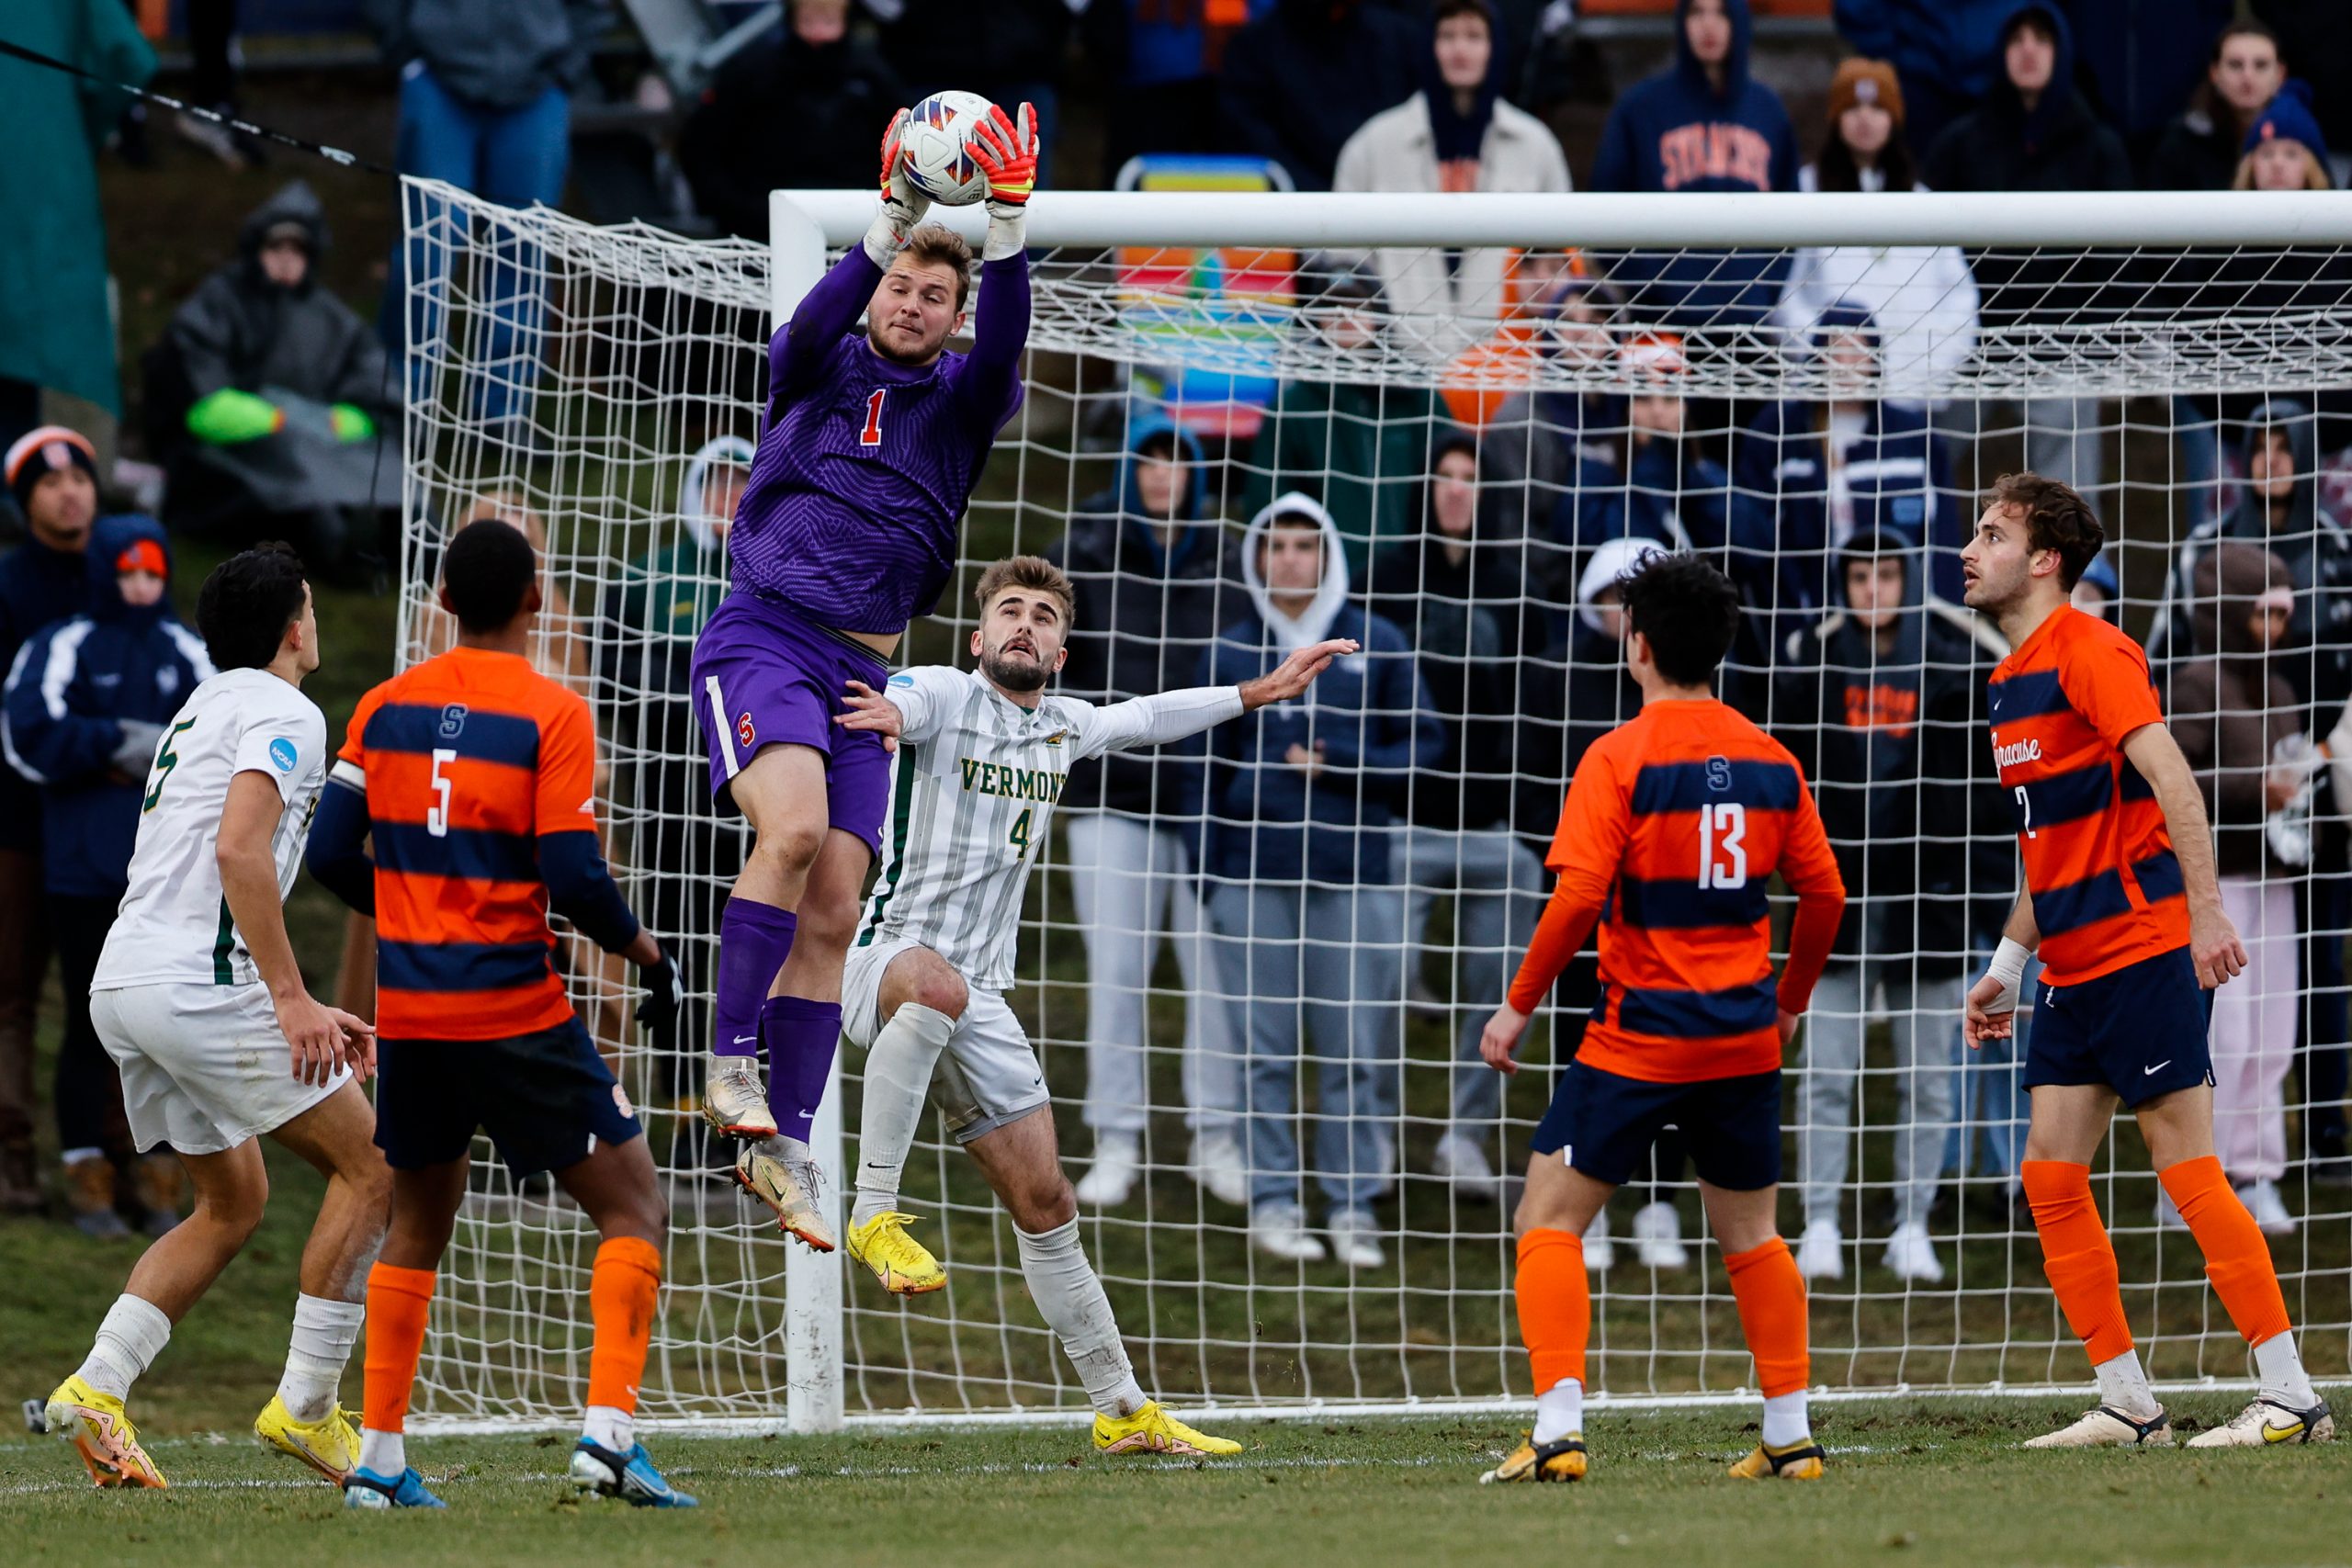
x=1171, y=715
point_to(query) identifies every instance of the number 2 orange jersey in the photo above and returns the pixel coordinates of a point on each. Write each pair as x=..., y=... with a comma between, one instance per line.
x=467, y=761
x=1675, y=823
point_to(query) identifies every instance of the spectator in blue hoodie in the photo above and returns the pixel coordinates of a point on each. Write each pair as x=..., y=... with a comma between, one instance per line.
x=1305, y=803
x=85, y=708
x=51, y=474
x=1703, y=124
x=1946, y=52
x=1158, y=573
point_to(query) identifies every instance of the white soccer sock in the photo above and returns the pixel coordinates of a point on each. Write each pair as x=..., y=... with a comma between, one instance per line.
x=2123, y=1384
x=383, y=1453
x=897, y=1086
x=2280, y=1367
x=130, y=1335
x=324, y=1331
x=1559, y=1410
x=609, y=1427
x=1785, y=1420
x=1070, y=1299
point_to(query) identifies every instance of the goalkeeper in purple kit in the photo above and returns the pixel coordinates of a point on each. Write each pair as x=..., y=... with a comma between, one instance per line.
x=846, y=531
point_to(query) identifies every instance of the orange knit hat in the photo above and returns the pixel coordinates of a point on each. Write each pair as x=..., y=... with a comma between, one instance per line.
x=1861, y=81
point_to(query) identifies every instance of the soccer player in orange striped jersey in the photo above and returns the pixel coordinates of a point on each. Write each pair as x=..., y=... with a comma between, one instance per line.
x=476, y=776
x=1675, y=822
x=2121, y=901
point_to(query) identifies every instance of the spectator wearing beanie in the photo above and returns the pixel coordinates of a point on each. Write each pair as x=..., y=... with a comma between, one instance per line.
x=53, y=477
x=1703, y=124
x=2201, y=148
x=2315, y=37
x=83, y=715
x=1455, y=134
x=1922, y=299
x=2284, y=149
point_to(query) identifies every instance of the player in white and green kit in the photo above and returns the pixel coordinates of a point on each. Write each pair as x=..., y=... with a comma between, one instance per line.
x=982, y=757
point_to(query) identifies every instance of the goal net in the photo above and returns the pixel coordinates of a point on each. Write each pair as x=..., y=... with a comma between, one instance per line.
x=1488, y=401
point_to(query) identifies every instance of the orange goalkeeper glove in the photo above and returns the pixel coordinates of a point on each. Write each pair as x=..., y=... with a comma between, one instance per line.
x=902, y=204
x=1005, y=147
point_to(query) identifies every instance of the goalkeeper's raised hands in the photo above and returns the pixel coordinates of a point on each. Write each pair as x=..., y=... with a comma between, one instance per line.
x=1005, y=147
x=902, y=204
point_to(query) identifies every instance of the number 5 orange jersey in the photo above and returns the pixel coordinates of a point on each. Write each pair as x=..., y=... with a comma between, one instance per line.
x=468, y=762
x=1675, y=824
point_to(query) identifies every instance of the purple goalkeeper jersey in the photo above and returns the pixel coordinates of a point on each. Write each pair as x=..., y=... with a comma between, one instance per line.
x=865, y=465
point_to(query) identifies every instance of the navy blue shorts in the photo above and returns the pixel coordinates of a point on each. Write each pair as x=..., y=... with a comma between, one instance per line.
x=2142, y=1030
x=547, y=1100
x=1608, y=1122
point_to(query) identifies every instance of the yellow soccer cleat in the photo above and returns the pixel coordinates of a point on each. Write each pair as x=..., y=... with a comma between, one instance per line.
x=95, y=1424
x=1798, y=1461
x=1152, y=1431
x=329, y=1445
x=904, y=1265
x=793, y=1188
x=1564, y=1459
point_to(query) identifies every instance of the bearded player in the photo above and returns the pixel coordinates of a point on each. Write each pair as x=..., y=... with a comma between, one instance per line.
x=846, y=531
x=2122, y=904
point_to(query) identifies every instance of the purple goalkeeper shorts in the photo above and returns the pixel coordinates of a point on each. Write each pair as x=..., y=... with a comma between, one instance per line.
x=763, y=675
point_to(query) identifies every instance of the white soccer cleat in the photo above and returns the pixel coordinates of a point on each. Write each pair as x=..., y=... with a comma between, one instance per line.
x=1219, y=1168
x=2268, y=1423
x=1118, y=1160
x=1599, y=1252
x=2268, y=1206
x=1911, y=1253
x=1355, y=1239
x=2107, y=1427
x=1821, y=1251
x=1279, y=1230
x=733, y=1099
x=1657, y=1237
x=1461, y=1161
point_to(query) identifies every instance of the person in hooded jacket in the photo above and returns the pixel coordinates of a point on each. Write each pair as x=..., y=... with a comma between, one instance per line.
x=51, y=474
x=1703, y=124
x=1546, y=442
x=82, y=715
x=1460, y=597
x=650, y=619
x=1454, y=134
x=2200, y=149
x=1300, y=80
x=271, y=403
x=1806, y=472
x=2281, y=511
x=2240, y=729
x=842, y=92
x=1305, y=808
x=2034, y=132
x=1883, y=702
x=1158, y=573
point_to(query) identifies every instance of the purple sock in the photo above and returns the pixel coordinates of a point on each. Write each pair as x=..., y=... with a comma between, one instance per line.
x=801, y=1036
x=755, y=939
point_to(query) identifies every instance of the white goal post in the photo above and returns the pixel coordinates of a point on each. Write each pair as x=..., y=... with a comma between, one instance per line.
x=2133, y=331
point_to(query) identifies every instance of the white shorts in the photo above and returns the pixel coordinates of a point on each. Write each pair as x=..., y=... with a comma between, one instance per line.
x=204, y=1068
x=989, y=1074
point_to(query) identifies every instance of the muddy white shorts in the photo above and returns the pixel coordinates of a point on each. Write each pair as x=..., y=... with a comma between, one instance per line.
x=204, y=1068
x=988, y=1076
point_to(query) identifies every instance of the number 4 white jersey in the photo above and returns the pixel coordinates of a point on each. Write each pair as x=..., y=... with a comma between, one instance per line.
x=174, y=924
x=972, y=791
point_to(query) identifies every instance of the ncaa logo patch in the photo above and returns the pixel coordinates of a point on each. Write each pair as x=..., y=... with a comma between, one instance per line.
x=744, y=731
x=282, y=753
x=621, y=1104
x=453, y=721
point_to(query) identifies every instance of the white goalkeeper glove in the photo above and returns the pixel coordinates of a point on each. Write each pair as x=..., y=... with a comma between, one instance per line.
x=1005, y=147
x=902, y=204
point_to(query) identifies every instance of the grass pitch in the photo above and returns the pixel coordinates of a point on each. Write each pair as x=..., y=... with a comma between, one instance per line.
x=1926, y=1483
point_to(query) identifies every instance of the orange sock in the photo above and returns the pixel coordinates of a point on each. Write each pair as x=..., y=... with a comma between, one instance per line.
x=2237, y=1258
x=1554, y=1305
x=2077, y=1255
x=622, y=1290
x=1770, y=1295
x=398, y=1301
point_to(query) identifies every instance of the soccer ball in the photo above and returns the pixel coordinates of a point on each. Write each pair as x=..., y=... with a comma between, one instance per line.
x=934, y=150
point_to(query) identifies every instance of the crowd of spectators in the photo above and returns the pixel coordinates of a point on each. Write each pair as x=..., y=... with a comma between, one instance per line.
x=1320, y=869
